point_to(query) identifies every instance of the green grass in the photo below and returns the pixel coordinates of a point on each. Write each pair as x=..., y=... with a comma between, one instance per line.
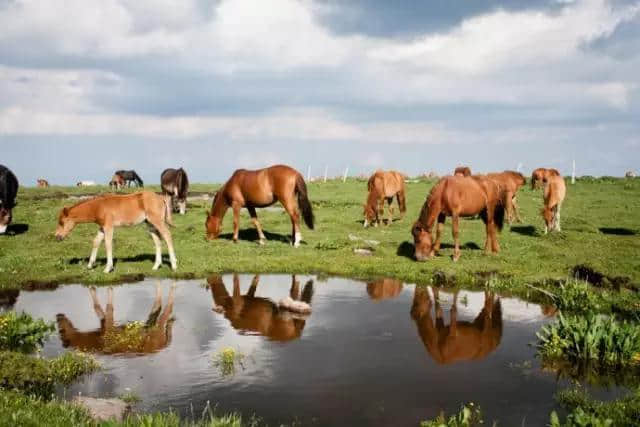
x=34, y=258
x=584, y=411
x=21, y=332
x=468, y=416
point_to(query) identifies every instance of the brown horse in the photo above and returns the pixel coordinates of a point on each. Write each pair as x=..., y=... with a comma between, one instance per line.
x=257, y=189
x=384, y=289
x=554, y=193
x=538, y=176
x=510, y=181
x=131, y=338
x=461, y=340
x=175, y=184
x=384, y=185
x=458, y=197
x=250, y=314
x=117, y=182
x=462, y=171
x=110, y=211
x=42, y=183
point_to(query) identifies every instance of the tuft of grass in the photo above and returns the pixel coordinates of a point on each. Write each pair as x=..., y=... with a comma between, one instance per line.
x=21, y=332
x=130, y=397
x=469, y=416
x=586, y=411
x=227, y=359
x=34, y=375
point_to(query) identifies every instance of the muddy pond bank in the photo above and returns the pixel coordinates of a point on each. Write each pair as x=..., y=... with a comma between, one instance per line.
x=377, y=353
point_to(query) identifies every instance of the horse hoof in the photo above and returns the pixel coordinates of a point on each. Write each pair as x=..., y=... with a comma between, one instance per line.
x=262, y=242
x=155, y=267
x=108, y=270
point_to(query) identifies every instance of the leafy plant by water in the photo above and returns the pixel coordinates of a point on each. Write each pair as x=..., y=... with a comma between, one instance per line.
x=593, y=341
x=21, y=332
x=585, y=411
x=227, y=360
x=469, y=415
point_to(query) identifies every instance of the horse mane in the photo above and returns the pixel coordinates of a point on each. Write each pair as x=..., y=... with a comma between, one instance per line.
x=434, y=193
x=182, y=182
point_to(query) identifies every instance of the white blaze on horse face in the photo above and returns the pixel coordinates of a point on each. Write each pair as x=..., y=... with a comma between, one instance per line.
x=3, y=228
x=183, y=206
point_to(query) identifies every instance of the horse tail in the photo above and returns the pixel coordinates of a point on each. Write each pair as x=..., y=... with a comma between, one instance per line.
x=182, y=183
x=303, y=201
x=499, y=209
x=168, y=219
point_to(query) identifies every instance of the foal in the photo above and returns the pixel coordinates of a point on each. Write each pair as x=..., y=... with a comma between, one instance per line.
x=554, y=191
x=539, y=175
x=384, y=185
x=110, y=211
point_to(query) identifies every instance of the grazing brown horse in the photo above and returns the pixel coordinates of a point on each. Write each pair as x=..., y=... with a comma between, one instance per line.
x=458, y=197
x=42, y=183
x=384, y=185
x=538, y=175
x=250, y=314
x=554, y=193
x=384, y=289
x=258, y=189
x=510, y=181
x=175, y=184
x=110, y=211
x=462, y=171
x=131, y=338
x=117, y=182
x=460, y=340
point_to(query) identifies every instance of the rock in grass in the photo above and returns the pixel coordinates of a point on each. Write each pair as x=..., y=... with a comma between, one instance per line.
x=363, y=251
x=103, y=409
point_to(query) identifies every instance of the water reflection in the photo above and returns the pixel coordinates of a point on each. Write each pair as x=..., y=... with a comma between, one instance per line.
x=250, y=314
x=130, y=338
x=460, y=340
x=8, y=298
x=384, y=289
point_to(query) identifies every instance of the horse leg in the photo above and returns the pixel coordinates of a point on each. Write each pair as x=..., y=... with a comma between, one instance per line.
x=401, y=202
x=236, y=221
x=439, y=227
x=557, y=217
x=108, y=319
x=516, y=209
x=96, y=245
x=379, y=211
x=455, y=225
x=168, y=200
x=166, y=236
x=495, y=246
x=158, y=245
x=508, y=200
x=256, y=223
x=108, y=244
x=292, y=209
x=96, y=304
x=252, y=289
x=390, y=210
x=294, y=292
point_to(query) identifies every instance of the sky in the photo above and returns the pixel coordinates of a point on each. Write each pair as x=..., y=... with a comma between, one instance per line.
x=91, y=86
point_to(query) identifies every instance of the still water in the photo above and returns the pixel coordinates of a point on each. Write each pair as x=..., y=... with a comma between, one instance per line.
x=380, y=353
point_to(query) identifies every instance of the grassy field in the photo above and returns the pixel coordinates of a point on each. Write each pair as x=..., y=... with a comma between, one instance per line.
x=600, y=222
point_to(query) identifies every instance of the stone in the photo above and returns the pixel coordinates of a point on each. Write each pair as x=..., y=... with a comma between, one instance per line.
x=103, y=409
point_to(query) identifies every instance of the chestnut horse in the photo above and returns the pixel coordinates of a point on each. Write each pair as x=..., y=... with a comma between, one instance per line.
x=175, y=185
x=384, y=185
x=458, y=197
x=42, y=183
x=258, y=189
x=252, y=314
x=110, y=338
x=117, y=182
x=538, y=175
x=110, y=211
x=510, y=181
x=554, y=192
x=461, y=340
x=462, y=171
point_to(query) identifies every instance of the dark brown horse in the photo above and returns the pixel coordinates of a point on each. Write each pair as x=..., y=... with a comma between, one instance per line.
x=510, y=181
x=460, y=340
x=538, y=176
x=258, y=189
x=458, y=197
x=462, y=171
x=8, y=191
x=131, y=338
x=175, y=184
x=251, y=314
x=129, y=177
x=384, y=185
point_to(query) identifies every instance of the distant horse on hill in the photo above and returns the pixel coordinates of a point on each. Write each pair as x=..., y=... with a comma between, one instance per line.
x=175, y=184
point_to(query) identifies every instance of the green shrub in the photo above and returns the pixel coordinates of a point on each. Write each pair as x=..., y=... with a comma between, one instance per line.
x=585, y=411
x=18, y=410
x=575, y=296
x=20, y=332
x=593, y=342
x=467, y=417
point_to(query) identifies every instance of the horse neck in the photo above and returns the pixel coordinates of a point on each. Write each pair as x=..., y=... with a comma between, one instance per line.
x=372, y=198
x=219, y=207
x=84, y=212
x=431, y=209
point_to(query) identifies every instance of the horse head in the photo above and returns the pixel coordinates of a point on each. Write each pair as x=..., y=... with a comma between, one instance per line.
x=422, y=241
x=65, y=224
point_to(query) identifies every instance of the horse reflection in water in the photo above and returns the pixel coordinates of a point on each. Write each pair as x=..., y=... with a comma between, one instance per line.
x=384, y=289
x=131, y=338
x=250, y=314
x=460, y=340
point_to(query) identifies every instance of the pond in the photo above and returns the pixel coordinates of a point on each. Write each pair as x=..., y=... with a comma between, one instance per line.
x=379, y=353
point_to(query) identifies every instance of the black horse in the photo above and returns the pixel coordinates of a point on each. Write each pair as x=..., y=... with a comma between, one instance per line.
x=8, y=191
x=175, y=184
x=129, y=177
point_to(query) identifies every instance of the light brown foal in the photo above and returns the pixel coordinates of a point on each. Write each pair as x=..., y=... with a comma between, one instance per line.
x=554, y=192
x=384, y=185
x=110, y=211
